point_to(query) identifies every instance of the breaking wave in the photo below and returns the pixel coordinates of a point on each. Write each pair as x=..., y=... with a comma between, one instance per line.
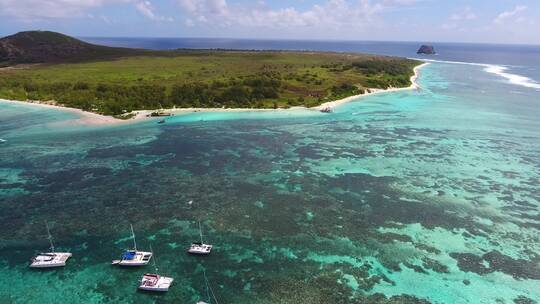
x=498, y=70
x=512, y=78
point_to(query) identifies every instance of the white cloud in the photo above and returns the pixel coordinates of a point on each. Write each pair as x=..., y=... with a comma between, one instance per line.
x=45, y=9
x=147, y=9
x=198, y=7
x=32, y=10
x=189, y=23
x=465, y=14
x=334, y=14
x=449, y=26
x=457, y=19
x=106, y=19
x=509, y=15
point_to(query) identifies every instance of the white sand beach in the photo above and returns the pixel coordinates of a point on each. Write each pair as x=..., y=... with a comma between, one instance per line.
x=414, y=85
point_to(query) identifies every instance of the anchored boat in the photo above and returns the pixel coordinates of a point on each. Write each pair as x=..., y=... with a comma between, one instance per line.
x=50, y=259
x=154, y=281
x=133, y=257
x=326, y=110
x=200, y=248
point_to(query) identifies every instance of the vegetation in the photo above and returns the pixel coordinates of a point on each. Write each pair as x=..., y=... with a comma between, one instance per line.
x=206, y=79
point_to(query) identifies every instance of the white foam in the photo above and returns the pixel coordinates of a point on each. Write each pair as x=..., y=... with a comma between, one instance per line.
x=498, y=70
x=452, y=62
x=512, y=78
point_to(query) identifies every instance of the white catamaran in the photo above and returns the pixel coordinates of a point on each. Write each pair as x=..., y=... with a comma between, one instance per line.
x=133, y=257
x=200, y=247
x=154, y=281
x=50, y=259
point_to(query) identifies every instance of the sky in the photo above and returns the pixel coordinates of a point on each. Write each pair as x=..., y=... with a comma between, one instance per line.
x=481, y=21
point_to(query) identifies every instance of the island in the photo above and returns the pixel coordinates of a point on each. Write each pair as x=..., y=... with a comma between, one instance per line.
x=426, y=49
x=53, y=68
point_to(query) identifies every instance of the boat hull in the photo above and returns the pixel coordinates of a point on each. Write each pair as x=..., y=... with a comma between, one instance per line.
x=155, y=283
x=50, y=260
x=57, y=265
x=199, y=249
x=155, y=289
x=140, y=258
x=165, y=289
x=196, y=252
x=136, y=264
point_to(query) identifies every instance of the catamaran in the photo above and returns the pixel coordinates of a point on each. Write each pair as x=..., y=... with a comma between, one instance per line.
x=50, y=259
x=133, y=257
x=154, y=281
x=200, y=247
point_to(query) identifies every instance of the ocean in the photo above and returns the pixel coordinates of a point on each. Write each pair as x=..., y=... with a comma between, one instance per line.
x=419, y=196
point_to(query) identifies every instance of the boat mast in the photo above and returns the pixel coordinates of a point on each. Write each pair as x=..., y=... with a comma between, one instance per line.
x=209, y=288
x=133, y=235
x=49, y=236
x=153, y=258
x=213, y=295
x=200, y=232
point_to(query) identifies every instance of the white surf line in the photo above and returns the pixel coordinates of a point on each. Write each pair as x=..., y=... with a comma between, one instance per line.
x=452, y=62
x=513, y=78
x=499, y=70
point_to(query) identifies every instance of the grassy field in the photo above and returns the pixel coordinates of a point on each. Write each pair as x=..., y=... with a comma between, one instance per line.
x=234, y=79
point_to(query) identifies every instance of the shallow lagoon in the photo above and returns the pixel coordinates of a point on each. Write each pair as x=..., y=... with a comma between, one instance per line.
x=429, y=195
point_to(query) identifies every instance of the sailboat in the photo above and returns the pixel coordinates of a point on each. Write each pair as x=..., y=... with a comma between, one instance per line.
x=133, y=257
x=154, y=281
x=50, y=259
x=200, y=248
x=208, y=291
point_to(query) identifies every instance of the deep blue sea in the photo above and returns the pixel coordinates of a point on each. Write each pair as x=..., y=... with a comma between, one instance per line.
x=418, y=196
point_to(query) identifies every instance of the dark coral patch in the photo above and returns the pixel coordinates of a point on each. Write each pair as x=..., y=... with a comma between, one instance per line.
x=524, y=300
x=496, y=261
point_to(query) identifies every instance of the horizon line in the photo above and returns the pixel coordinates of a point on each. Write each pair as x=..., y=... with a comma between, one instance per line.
x=311, y=40
x=291, y=39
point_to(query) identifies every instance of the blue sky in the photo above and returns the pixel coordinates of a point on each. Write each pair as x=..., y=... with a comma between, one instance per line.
x=495, y=21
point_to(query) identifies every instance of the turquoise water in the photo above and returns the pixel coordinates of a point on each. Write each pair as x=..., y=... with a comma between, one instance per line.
x=427, y=196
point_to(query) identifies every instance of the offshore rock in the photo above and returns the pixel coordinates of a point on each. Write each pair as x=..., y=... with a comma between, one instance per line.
x=426, y=49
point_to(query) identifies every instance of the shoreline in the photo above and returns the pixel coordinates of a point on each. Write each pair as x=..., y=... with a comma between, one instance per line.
x=85, y=117
x=91, y=118
x=414, y=85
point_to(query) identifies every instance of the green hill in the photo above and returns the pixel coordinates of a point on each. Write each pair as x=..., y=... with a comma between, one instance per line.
x=47, y=47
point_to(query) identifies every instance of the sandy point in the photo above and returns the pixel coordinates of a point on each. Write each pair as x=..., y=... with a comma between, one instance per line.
x=414, y=86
